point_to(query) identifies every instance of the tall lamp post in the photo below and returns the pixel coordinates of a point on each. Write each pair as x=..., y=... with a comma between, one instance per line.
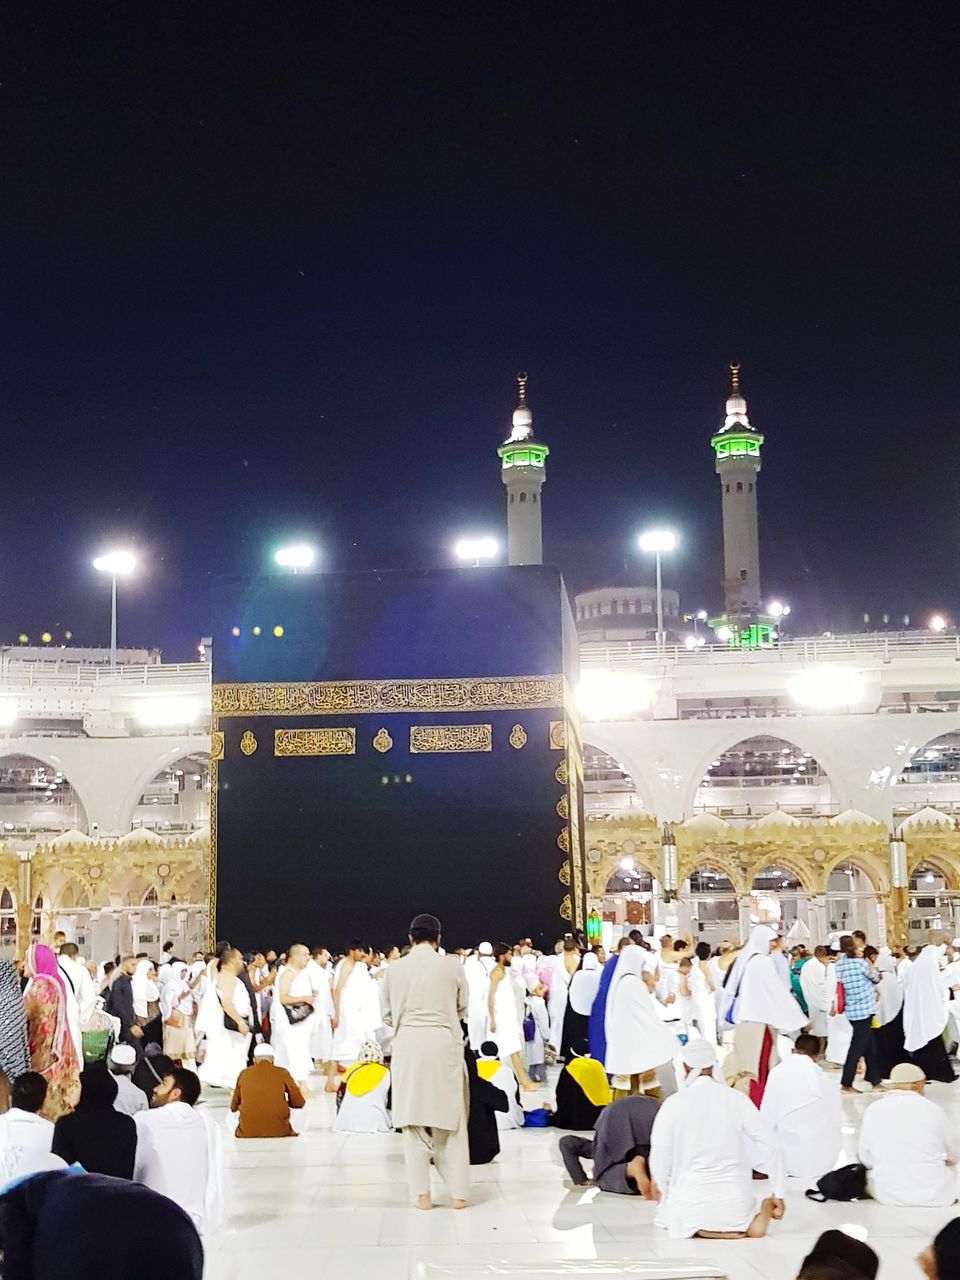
x=117, y=564
x=295, y=558
x=778, y=611
x=658, y=541
x=475, y=550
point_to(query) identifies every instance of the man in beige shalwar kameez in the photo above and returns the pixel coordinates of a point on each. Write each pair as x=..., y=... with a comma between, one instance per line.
x=424, y=998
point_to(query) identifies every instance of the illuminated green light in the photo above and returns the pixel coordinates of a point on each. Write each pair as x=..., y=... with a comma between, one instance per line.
x=737, y=446
x=528, y=456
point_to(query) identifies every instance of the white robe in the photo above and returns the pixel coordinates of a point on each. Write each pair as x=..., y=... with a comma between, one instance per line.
x=321, y=1037
x=359, y=1018
x=508, y=1035
x=478, y=986
x=291, y=1040
x=557, y=1000
x=817, y=993
x=83, y=986
x=924, y=1001
x=701, y=1009
x=504, y=1079
x=226, y=1051
x=764, y=998
x=905, y=1142
x=705, y=1142
x=801, y=1104
x=25, y=1142
x=637, y=1039
x=179, y=1154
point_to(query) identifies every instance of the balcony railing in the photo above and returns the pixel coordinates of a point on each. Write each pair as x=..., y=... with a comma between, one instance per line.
x=883, y=648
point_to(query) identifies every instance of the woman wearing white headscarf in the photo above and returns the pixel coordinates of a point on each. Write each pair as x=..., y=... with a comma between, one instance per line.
x=146, y=993
x=638, y=1042
x=759, y=1004
x=925, y=1017
x=575, y=1041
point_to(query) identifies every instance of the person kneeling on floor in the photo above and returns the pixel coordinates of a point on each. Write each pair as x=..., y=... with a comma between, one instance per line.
x=620, y=1149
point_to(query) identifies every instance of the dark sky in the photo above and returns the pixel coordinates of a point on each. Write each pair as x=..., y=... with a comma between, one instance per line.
x=270, y=269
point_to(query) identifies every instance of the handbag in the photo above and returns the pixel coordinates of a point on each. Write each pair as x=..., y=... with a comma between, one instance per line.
x=849, y=1182
x=297, y=1012
x=230, y=1023
x=841, y=1000
x=529, y=1028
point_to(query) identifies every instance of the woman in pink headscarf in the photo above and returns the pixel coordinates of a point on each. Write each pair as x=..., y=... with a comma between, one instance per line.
x=52, y=1051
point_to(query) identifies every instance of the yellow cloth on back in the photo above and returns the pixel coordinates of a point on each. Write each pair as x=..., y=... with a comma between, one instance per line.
x=487, y=1068
x=592, y=1079
x=363, y=1077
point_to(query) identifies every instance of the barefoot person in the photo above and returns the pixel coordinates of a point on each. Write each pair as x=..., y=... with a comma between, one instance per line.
x=706, y=1141
x=620, y=1149
x=425, y=1000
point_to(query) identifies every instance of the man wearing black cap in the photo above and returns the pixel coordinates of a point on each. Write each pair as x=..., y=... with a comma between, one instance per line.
x=425, y=1001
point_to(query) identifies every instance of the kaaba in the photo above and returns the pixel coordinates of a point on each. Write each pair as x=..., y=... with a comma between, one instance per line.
x=391, y=743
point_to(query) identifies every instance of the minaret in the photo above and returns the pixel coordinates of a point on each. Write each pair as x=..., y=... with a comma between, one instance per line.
x=523, y=470
x=737, y=448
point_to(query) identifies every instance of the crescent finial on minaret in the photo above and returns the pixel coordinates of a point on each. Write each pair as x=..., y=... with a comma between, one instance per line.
x=734, y=377
x=522, y=388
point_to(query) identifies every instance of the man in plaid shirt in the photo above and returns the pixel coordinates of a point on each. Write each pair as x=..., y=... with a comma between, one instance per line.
x=859, y=982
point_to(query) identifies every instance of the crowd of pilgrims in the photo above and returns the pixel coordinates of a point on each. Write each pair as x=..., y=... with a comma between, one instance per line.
x=704, y=1080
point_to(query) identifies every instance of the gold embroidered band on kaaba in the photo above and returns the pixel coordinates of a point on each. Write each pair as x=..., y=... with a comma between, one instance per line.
x=328, y=697
x=314, y=742
x=426, y=738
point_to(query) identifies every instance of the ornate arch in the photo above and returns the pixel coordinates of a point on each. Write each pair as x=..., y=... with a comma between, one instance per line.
x=789, y=862
x=11, y=749
x=870, y=865
x=708, y=860
x=940, y=860
x=734, y=736
x=183, y=750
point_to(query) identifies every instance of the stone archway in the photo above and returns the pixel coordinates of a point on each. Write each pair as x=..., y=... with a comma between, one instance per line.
x=759, y=773
x=37, y=798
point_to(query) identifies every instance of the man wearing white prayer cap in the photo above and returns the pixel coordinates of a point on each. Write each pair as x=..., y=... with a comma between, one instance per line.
x=706, y=1142
x=130, y=1099
x=909, y=1145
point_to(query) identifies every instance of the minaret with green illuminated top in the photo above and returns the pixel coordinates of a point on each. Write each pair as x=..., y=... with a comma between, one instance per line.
x=737, y=449
x=523, y=469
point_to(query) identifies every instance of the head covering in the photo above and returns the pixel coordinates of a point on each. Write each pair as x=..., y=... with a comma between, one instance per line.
x=52, y=1225
x=592, y=1079
x=699, y=1056
x=924, y=1001
x=533, y=981
x=489, y=1049
x=906, y=1073
x=528, y=963
x=597, y=1037
x=583, y=985
x=757, y=944
x=144, y=989
x=425, y=921
x=98, y=1089
x=637, y=1037
x=14, y=1054
x=263, y=1051
x=760, y=993
x=485, y=949
x=43, y=964
x=370, y=1051
x=123, y=1055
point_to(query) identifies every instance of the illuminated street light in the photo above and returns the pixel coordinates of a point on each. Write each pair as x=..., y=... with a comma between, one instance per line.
x=657, y=541
x=938, y=623
x=827, y=688
x=117, y=564
x=777, y=609
x=296, y=557
x=612, y=695
x=475, y=550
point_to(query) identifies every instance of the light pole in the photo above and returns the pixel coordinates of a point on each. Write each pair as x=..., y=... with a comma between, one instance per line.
x=778, y=611
x=296, y=558
x=658, y=541
x=116, y=563
x=475, y=550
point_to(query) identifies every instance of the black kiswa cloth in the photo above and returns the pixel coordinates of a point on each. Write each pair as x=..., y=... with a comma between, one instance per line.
x=485, y=1101
x=89, y=1227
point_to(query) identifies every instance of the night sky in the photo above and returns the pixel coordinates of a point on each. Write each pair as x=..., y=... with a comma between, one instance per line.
x=269, y=270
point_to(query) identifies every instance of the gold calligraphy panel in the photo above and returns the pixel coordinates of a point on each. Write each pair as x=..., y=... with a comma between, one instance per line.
x=314, y=742
x=427, y=738
x=492, y=693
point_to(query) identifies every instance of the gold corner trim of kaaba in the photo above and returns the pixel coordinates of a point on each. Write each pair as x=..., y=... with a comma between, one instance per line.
x=566, y=908
x=561, y=773
x=431, y=738
x=563, y=807
x=216, y=744
x=558, y=735
x=315, y=742
x=563, y=875
x=324, y=698
x=563, y=840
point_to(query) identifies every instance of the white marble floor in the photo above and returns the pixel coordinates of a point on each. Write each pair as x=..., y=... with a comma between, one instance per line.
x=340, y=1203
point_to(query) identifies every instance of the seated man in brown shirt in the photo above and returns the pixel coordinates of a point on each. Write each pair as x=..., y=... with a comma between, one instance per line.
x=264, y=1094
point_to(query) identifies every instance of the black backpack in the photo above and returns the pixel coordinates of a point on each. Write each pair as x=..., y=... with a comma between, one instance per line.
x=846, y=1183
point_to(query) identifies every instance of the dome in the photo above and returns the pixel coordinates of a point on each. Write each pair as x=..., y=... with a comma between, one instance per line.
x=72, y=837
x=854, y=818
x=778, y=819
x=707, y=823
x=927, y=817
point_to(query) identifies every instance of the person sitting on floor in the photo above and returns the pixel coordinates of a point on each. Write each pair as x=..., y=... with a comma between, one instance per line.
x=364, y=1094
x=801, y=1104
x=706, y=1142
x=130, y=1099
x=620, y=1149
x=909, y=1145
x=500, y=1075
x=179, y=1152
x=582, y=1092
x=264, y=1094
x=26, y=1136
x=485, y=1101
x=96, y=1136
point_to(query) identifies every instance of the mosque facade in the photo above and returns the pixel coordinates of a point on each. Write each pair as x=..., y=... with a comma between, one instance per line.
x=811, y=782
